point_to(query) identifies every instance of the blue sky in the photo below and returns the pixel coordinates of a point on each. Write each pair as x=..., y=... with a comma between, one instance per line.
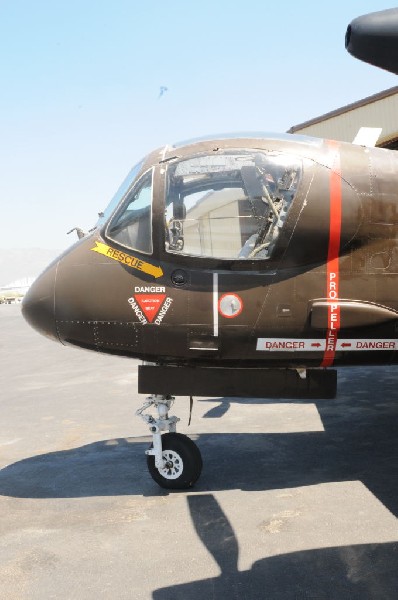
x=80, y=82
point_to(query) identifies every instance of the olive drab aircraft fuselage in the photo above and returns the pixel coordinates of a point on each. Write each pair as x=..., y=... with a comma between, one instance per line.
x=245, y=265
x=262, y=252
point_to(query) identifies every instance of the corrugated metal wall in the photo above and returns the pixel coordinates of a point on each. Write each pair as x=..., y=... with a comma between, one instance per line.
x=345, y=125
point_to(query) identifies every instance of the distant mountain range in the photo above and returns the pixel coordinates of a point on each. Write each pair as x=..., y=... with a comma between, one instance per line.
x=18, y=263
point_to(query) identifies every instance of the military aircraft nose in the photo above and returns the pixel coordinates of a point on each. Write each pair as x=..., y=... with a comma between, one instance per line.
x=38, y=306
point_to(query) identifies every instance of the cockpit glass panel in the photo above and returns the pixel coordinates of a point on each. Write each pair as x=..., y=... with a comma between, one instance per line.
x=128, y=181
x=131, y=226
x=231, y=205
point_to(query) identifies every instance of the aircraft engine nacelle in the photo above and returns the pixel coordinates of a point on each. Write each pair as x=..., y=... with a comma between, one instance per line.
x=373, y=38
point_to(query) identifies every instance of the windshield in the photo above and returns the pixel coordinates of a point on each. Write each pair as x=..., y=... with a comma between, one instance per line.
x=230, y=205
x=131, y=225
x=104, y=216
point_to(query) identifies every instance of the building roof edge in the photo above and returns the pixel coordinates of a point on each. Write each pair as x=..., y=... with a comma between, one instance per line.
x=345, y=109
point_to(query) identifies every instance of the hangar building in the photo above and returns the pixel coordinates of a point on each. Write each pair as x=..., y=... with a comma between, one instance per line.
x=343, y=124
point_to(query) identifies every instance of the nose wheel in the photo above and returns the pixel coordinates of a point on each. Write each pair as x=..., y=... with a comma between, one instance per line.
x=182, y=462
x=174, y=460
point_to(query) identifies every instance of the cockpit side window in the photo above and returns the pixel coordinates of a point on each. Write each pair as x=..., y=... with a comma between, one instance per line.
x=231, y=205
x=131, y=226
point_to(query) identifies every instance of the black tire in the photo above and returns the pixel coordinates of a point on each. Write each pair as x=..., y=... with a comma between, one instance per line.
x=185, y=463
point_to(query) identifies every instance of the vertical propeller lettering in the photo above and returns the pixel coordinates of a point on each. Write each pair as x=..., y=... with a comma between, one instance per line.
x=332, y=267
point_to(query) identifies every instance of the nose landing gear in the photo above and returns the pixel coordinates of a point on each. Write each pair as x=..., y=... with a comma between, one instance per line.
x=174, y=460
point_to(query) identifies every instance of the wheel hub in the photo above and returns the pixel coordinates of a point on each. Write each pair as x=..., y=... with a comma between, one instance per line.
x=173, y=465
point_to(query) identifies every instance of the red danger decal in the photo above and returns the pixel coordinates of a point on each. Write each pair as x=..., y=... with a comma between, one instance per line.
x=150, y=304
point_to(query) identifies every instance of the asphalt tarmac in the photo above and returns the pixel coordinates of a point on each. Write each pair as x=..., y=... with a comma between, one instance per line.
x=297, y=500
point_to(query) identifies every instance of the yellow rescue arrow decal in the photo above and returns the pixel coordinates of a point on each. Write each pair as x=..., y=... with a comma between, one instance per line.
x=127, y=259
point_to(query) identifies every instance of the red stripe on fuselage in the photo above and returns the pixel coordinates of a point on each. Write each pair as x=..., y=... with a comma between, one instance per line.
x=332, y=268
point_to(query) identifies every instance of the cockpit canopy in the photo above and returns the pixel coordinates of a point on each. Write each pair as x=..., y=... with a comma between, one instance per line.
x=229, y=204
x=132, y=225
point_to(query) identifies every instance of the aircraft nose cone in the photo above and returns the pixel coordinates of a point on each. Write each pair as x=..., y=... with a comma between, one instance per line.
x=38, y=306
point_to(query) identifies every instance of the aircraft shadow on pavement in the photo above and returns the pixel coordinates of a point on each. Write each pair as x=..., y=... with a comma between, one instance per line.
x=358, y=572
x=360, y=442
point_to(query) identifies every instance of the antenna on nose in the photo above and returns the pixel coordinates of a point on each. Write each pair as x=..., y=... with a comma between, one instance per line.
x=79, y=231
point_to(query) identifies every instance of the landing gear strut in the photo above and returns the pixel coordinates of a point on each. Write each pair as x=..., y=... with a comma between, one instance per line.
x=174, y=461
